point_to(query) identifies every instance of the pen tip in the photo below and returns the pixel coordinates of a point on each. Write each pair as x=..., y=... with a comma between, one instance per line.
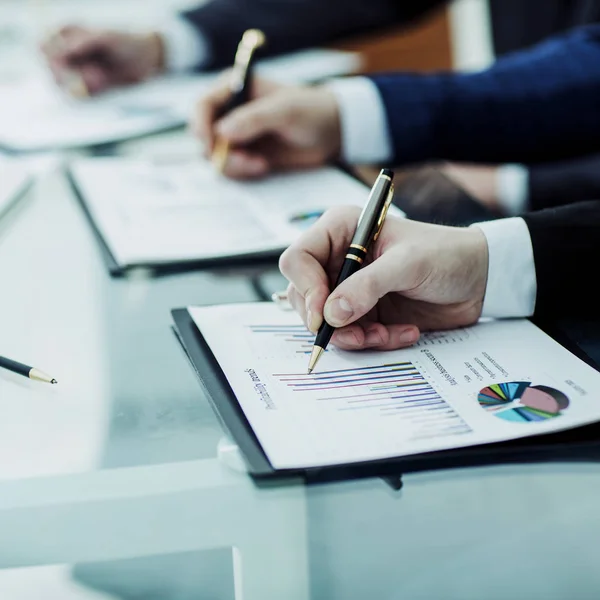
x=314, y=358
x=53, y=381
x=309, y=371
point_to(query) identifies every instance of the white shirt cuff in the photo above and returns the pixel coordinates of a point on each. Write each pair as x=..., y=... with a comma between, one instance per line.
x=512, y=182
x=365, y=131
x=511, y=285
x=185, y=46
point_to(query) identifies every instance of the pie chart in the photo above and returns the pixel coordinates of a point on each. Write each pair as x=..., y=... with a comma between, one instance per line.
x=521, y=402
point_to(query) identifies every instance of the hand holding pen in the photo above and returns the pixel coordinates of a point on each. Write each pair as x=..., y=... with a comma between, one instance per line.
x=368, y=228
x=280, y=127
x=416, y=277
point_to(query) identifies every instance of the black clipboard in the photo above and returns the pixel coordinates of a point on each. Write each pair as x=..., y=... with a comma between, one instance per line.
x=580, y=444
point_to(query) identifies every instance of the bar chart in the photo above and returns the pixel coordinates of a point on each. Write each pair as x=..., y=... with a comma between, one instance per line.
x=290, y=341
x=395, y=390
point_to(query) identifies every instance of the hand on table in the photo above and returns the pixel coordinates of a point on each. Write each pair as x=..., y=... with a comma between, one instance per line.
x=103, y=59
x=480, y=181
x=280, y=128
x=417, y=277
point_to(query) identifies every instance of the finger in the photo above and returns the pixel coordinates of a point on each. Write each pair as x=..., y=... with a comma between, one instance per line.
x=243, y=164
x=206, y=113
x=375, y=336
x=305, y=263
x=358, y=294
x=297, y=302
x=255, y=119
x=309, y=284
x=94, y=77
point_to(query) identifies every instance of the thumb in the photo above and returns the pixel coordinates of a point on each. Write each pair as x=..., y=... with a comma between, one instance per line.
x=358, y=294
x=253, y=120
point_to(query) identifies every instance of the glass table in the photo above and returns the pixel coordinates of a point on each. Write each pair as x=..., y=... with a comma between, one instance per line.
x=113, y=485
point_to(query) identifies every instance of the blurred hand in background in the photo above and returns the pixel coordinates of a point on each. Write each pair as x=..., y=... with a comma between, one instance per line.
x=479, y=181
x=280, y=128
x=103, y=59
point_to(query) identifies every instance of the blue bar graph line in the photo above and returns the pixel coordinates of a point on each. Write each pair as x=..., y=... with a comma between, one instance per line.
x=398, y=364
x=411, y=387
x=318, y=378
x=318, y=385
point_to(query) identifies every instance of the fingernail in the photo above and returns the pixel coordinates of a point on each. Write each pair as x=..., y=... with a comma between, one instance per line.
x=309, y=321
x=347, y=337
x=373, y=336
x=338, y=311
x=410, y=336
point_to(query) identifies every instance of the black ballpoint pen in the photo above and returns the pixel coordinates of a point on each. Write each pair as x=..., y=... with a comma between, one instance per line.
x=239, y=84
x=367, y=231
x=25, y=370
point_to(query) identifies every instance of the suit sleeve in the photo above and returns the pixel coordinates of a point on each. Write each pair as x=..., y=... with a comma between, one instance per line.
x=566, y=251
x=557, y=183
x=532, y=106
x=293, y=24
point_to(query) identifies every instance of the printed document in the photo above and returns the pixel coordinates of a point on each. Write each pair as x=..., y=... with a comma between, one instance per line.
x=495, y=381
x=153, y=212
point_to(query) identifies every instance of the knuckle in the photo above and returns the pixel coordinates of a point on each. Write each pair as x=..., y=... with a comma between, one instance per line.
x=286, y=261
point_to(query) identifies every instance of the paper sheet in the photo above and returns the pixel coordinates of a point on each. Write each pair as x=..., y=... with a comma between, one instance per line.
x=153, y=212
x=35, y=115
x=495, y=381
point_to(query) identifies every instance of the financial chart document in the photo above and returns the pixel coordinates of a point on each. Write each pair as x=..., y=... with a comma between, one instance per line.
x=158, y=213
x=495, y=381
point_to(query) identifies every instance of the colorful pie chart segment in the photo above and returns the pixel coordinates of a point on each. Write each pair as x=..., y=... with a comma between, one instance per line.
x=521, y=402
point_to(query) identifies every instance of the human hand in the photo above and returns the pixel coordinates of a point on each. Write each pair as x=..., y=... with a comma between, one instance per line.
x=282, y=127
x=417, y=277
x=480, y=181
x=103, y=59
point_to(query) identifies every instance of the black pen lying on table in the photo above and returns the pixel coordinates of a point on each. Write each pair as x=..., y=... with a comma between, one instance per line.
x=367, y=231
x=25, y=370
x=239, y=83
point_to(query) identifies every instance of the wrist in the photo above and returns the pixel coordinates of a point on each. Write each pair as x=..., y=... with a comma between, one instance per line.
x=476, y=260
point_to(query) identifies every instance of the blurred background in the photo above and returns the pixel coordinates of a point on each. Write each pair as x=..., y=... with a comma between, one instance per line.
x=456, y=37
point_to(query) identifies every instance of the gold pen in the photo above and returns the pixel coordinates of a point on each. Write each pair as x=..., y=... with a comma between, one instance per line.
x=239, y=84
x=367, y=231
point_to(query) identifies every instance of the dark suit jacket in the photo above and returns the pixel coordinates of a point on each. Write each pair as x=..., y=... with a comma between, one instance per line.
x=516, y=24
x=533, y=106
x=566, y=249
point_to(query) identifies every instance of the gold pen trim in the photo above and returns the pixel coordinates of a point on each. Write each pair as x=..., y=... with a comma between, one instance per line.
x=358, y=247
x=356, y=258
x=384, y=212
x=315, y=355
x=38, y=375
x=220, y=154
